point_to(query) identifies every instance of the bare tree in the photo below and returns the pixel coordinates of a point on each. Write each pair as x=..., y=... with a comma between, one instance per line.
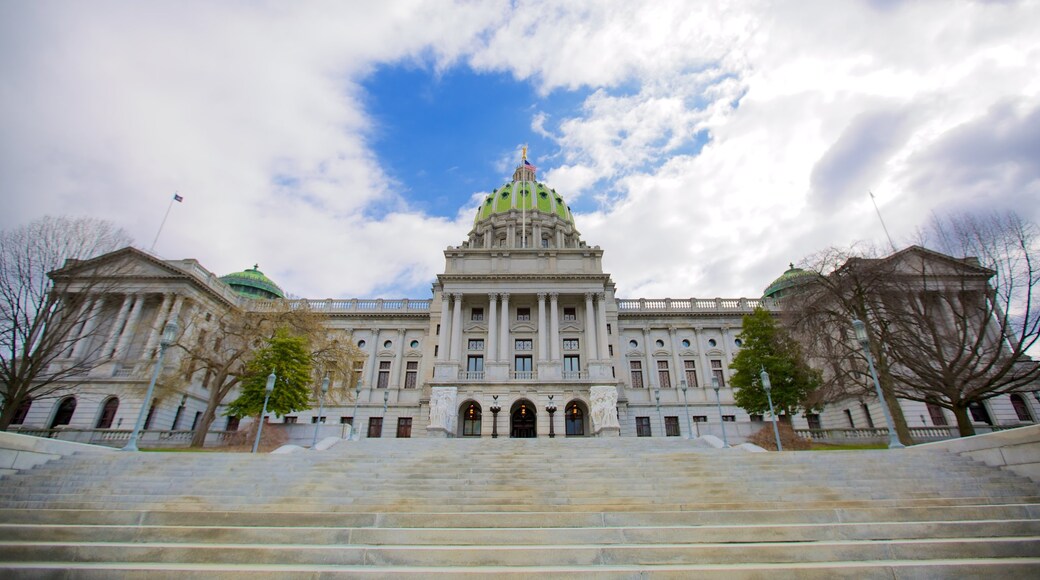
x=47, y=319
x=847, y=284
x=217, y=349
x=959, y=340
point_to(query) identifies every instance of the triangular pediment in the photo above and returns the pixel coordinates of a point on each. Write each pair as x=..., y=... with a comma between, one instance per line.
x=125, y=263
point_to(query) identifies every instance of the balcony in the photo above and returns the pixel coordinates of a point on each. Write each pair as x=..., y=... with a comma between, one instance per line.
x=522, y=375
x=471, y=375
x=575, y=375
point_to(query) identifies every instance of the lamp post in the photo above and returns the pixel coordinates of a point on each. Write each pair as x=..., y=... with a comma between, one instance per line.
x=386, y=399
x=686, y=405
x=551, y=409
x=718, y=403
x=767, y=386
x=660, y=416
x=321, y=407
x=353, y=418
x=495, y=409
x=271, y=378
x=864, y=341
x=169, y=335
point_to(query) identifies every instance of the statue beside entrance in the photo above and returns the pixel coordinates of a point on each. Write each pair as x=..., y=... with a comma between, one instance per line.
x=604, y=411
x=442, y=412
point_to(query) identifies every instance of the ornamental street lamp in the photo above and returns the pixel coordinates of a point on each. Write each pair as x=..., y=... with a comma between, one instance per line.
x=169, y=335
x=495, y=409
x=271, y=378
x=767, y=386
x=353, y=418
x=660, y=417
x=321, y=407
x=864, y=341
x=686, y=405
x=551, y=409
x=718, y=403
x=386, y=399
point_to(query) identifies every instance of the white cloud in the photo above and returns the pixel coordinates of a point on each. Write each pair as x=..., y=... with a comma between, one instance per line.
x=254, y=113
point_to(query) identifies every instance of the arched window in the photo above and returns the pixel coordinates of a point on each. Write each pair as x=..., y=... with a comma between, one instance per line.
x=471, y=420
x=63, y=416
x=22, y=412
x=574, y=420
x=108, y=413
x=1021, y=408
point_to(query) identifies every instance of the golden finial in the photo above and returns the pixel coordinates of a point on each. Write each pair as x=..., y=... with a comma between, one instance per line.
x=523, y=153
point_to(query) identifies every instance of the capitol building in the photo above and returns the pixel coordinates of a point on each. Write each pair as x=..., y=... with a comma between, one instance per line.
x=522, y=320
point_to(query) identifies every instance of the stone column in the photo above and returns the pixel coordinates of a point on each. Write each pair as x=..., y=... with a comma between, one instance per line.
x=113, y=333
x=456, y=327
x=492, y=335
x=370, y=374
x=395, y=376
x=703, y=373
x=88, y=327
x=131, y=325
x=590, y=329
x=442, y=336
x=157, y=326
x=542, y=338
x=651, y=369
x=503, y=330
x=601, y=312
x=554, y=328
x=678, y=372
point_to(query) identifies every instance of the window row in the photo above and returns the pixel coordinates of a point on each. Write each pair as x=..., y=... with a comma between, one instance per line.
x=664, y=377
x=523, y=314
x=387, y=343
x=712, y=343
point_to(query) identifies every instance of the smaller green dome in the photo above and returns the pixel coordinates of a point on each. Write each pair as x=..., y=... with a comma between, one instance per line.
x=252, y=283
x=792, y=277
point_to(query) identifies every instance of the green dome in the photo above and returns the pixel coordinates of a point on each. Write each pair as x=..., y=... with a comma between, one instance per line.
x=792, y=277
x=524, y=193
x=253, y=284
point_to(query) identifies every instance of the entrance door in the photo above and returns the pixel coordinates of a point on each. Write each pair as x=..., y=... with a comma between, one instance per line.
x=522, y=420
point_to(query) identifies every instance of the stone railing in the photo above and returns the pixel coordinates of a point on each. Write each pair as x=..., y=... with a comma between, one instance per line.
x=523, y=375
x=118, y=437
x=919, y=434
x=471, y=375
x=575, y=375
x=352, y=306
x=687, y=305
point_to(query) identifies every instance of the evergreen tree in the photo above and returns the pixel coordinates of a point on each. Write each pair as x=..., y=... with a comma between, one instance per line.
x=288, y=357
x=767, y=345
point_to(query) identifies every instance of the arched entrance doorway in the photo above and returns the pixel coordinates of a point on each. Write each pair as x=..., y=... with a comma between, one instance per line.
x=64, y=414
x=574, y=419
x=469, y=419
x=108, y=413
x=522, y=420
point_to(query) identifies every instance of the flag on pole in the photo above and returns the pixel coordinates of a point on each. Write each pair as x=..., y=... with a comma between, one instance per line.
x=177, y=198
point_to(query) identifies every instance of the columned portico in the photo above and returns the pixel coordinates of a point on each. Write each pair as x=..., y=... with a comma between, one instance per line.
x=492, y=346
x=590, y=328
x=456, y=328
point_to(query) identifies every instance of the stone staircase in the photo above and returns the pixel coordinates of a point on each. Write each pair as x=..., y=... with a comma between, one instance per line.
x=610, y=508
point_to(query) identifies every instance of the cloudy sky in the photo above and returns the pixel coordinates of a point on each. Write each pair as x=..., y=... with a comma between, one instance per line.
x=343, y=145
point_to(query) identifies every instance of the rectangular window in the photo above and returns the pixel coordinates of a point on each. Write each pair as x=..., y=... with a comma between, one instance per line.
x=671, y=426
x=636, y=368
x=570, y=314
x=570, y=344
x=758, y=418
x=232, y=423
x=346, y=420
x=643, y=427
x=195, y=421
x=571, y=364
x=610, y=349
x=476, y=314
x=662, y=374
x=848, y=417
x=523, y=344
x=404, y=427
x=699, y=418
x=866, y=413
x=475, y=364
x=411, y=374
x=291, y=420
x=436, y=349
x=608, y=330
x=937, y=415
x=729, y=418
x=148, y=419
x=315, y=420
x=691, y=373
x=716, y=372
x=375, y=427
x=475, y=344
x=383, y=381
x=814, y=420
x=523, y=314
x=359, y=369
x=523, y=363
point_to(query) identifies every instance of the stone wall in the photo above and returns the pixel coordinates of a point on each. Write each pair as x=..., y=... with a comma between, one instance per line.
x=1016, y=450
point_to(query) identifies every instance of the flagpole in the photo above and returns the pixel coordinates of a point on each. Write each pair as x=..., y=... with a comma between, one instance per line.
x=880, y=219
x=168, y=208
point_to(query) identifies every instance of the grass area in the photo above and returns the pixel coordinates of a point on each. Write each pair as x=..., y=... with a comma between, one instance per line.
x=846, y=446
